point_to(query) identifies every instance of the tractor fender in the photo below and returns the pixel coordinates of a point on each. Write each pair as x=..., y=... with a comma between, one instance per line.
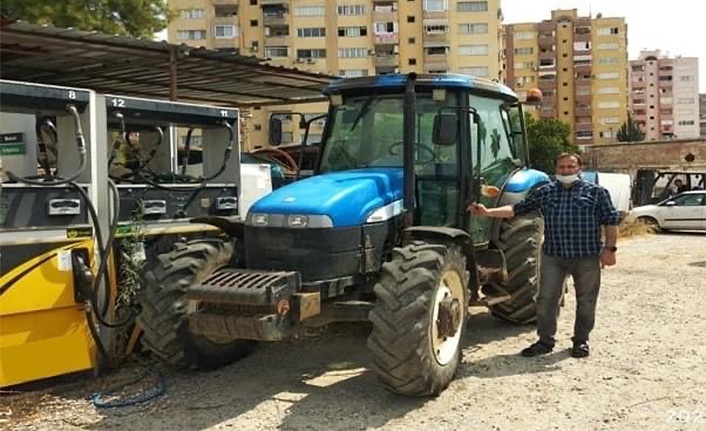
x=447, y=234
x=234, y=229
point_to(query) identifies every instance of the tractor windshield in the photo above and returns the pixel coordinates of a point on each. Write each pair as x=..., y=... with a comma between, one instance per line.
x=367, y=131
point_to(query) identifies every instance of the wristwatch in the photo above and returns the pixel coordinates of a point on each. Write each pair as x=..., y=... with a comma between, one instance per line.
x=611, y=248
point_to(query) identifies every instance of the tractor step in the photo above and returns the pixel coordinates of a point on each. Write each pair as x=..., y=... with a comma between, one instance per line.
x=487, y=301
x=246, y=287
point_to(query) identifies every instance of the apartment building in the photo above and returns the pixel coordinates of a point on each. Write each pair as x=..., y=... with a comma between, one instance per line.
x=345, y=38
x=580, y=64
x=664, y=95
x=702, y=114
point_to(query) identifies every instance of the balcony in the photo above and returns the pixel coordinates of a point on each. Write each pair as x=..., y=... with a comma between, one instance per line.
x=584, y=127
x=387, y=38
x=278, y=40
x=436, y=61
x=273, y=2
x=387, y=61
x=275, y=18
x=436, y=15
x=436, y=39
x=549, y=84
x=546, y=41
x=222, y=20
x=583, y=112
x=385, y=15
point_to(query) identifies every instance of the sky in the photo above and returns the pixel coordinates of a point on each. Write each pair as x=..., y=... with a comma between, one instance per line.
x=675, y=27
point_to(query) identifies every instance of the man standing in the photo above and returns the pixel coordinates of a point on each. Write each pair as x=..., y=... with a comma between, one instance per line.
x=573, y=211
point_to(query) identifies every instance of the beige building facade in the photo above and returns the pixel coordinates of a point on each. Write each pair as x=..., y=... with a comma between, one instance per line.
x=664, y=95
x=580, y=64
x=345, y=38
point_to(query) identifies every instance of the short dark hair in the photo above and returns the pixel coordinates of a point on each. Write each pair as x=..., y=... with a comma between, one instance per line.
x=578, y=158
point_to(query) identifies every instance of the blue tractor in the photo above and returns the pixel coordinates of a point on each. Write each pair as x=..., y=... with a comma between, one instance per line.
x=380, y=233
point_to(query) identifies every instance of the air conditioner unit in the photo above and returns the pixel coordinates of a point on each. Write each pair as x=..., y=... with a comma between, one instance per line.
x=371, y=52
x=311, y=60
x=396, y=49
x=299, y=60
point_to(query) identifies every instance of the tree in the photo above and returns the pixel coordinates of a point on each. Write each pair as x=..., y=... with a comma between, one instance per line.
x=547, y=139
x=136, y=18
x=630, y=131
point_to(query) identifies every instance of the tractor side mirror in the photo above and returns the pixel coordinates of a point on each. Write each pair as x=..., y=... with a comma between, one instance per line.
x=275, y=131
x=445, y=131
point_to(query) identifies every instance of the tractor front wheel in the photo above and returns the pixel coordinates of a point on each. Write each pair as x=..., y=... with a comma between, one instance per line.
x=419, y=318
x=165, y=310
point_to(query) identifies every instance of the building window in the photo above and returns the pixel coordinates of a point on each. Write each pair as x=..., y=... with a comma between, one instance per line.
x=481, y=71
x=352, y=73
x=608, y=45
x=608, y=61
x=608, y=75
x=352, y=52
x=610, y=120
x=310, y=11
x=686, y=78
x=473, y=50
x=609, y=105
x=276, y=51
x=686, y=122
x=411, y=41
x=191, y=34
x=352, y=31
x=607, y=31
x=412, y=61
x=609, y=90
x=385, y=28
x=351, y=9
x=524, y=35
x=472, y=6
x=311, y=53
x=436, y=50
x=253, y=23
x=225, y=31
x=473, y=28
x=685, y=101
x=436, y=29
x=193, y=14
x=253, y=2
x=311, y=32
x=436, y=5
x=410, y=19
x=523, y=51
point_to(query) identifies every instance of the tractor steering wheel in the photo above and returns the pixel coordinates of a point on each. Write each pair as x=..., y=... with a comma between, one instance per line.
x=426, y=149
x=284, y=157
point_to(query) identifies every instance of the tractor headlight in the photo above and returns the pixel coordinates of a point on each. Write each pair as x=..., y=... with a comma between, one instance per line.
x=259, y=219
x=297, y=221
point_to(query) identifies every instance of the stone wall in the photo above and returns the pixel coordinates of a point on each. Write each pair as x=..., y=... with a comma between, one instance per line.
x=629, y=157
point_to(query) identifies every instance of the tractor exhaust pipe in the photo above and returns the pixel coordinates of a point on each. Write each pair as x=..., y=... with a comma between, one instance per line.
x=409, y=139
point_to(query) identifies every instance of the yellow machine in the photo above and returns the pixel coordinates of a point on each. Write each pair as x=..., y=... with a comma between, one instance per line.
x=45, y=231
x=43, y=328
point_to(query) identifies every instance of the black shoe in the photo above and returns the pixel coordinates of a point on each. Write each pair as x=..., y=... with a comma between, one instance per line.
x=538, y=348
x=580, y=350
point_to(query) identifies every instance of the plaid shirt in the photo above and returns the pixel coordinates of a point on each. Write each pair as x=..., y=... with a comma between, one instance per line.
x=572, y=217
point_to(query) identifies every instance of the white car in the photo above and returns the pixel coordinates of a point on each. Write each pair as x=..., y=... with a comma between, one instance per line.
x=685, y=211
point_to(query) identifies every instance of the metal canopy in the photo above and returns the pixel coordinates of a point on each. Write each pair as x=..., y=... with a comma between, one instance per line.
x=145, y=68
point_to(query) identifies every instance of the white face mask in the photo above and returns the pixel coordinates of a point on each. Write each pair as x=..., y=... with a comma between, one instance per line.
x=567, y=179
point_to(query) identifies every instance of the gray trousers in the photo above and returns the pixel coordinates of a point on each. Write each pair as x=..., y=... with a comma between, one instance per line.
x=586, y=273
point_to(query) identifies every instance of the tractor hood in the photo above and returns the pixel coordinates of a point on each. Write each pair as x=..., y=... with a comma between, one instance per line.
x=347, y=198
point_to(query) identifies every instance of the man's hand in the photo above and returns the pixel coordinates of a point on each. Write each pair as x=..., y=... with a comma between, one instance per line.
x=478, y=209
x=607, y=258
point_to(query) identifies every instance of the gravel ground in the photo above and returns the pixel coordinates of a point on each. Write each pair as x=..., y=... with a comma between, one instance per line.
x=647, y=370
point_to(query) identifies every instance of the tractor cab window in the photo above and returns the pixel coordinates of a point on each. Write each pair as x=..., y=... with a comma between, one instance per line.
x=366, y=131
x=499, y=150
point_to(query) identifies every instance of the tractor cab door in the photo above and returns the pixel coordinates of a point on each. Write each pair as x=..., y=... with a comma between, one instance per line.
x=496, y=152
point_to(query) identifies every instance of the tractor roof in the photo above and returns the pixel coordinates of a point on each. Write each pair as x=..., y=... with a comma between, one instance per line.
x=434, y=81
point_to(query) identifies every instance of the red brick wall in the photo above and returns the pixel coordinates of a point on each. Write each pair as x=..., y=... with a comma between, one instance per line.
x=652, y=155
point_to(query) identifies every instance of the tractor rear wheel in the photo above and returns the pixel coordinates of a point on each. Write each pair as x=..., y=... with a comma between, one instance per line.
x=165, y=310
x=419, y=318
x=521, y=241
